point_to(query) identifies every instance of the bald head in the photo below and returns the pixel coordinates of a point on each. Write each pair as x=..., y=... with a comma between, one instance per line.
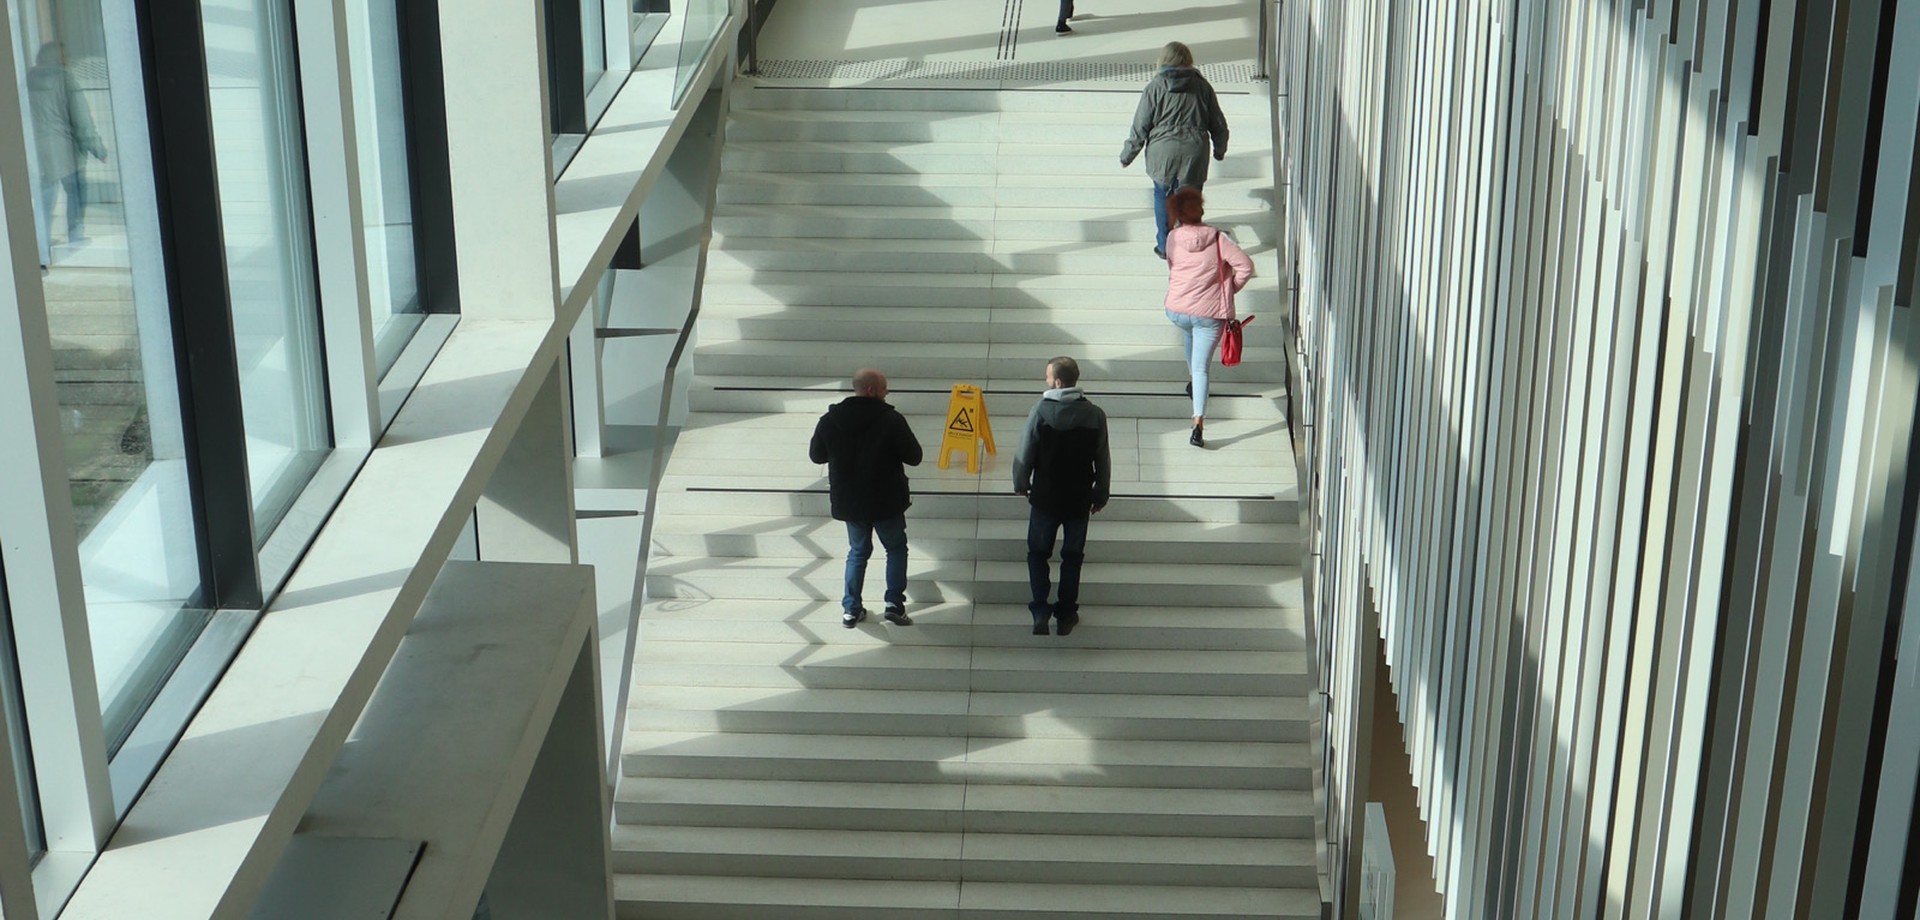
x=869, y=382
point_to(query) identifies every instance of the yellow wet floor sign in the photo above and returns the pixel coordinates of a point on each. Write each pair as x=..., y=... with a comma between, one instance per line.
x=967, y=426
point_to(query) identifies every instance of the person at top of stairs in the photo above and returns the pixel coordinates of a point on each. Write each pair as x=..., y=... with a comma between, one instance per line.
x=867, y=445
x=1177, y=115
x=1065, y=470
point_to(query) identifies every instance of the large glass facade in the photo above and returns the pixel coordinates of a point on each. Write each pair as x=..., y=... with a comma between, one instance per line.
x=254, y=95
x=386, y=193
x=112, y=339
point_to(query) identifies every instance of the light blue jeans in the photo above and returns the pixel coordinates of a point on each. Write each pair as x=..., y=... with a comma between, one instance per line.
x=1199, y=336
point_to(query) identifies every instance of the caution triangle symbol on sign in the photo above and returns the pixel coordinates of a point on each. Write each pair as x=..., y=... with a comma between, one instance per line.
x=962, y=421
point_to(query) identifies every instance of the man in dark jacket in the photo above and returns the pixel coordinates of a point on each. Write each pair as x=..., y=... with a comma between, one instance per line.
x=1065, y=470
x=866, y=445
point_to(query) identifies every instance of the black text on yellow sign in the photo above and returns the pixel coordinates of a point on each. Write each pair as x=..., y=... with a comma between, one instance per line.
x=967, y=426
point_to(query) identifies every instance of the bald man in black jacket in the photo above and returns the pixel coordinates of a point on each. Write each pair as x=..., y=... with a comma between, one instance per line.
x=867, y=445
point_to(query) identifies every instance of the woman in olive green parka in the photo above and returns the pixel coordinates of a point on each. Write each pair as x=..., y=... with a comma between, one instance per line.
x=1178, y=117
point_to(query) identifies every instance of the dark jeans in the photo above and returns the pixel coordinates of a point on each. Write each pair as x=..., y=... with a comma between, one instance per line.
x=1066, y=12
x=1041, y=527
x=893, y=536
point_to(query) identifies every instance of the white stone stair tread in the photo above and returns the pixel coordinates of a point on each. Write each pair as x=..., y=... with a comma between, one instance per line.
x=1027, y=899
x=759, y=745
x=1170, y=803
x=793, y=842
x=853, y=703
x=1107, y=752
x=721, y=614
x=1192, y=851
x=829, y=895
x=1095, y=572
x=1060, y=657
x=1124, y=705
x=828, y=651
x=829, y=796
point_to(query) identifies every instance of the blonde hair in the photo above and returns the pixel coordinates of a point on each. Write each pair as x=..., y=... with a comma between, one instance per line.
x=1176, y=54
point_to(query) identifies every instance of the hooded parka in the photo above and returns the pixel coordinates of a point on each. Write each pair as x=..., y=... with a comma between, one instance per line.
x=1177, y=114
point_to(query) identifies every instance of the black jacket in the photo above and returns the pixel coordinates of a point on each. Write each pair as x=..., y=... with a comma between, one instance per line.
x=1064, y=465
x=866, y=445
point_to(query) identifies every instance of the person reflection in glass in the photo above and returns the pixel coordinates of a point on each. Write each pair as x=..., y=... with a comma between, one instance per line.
x=62, y=129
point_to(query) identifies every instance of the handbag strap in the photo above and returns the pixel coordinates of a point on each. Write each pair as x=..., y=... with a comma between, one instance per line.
x=1225, y=277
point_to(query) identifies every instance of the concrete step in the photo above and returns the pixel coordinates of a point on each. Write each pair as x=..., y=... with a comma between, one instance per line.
x=1120, y=716
x=741, y=224
x=1139, y=324
x=1112, y=259
x=975, y=625
x=948, y=539
x=1108, y=187
x=1103, y=583
x=1263, y=364
x=675, y=498
x=1092, y=128
x=947, y=101
x=929, y=807
x=682, y=897
x=787, y=853
x=919, y=855
x=917, y=101
x=1045, y=665
x=933, y=759
x=1120, y=398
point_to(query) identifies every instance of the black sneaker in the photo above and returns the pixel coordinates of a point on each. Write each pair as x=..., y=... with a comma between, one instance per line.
x=1061, y=29
x=852, y=618
x=1067, y=623
x=1040, y=626
x=897, y=615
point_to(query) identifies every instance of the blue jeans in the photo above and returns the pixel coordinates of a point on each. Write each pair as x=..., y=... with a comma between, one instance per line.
x=1160, y=195
x=1041, y=528
x=76, y=186
x=1199, y=336
x=893, y=536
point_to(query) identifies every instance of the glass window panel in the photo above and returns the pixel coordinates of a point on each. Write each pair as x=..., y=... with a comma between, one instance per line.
x=17, y=729
x=386, y=193
x=593, y=39
x=702, y=22
x=111, y=334
x=258, y=146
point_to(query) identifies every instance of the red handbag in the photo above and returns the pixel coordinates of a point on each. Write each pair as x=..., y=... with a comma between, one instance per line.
x=1231, y=341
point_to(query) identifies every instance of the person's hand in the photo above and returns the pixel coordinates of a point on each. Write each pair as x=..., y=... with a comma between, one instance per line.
x=1220, y=154
x=1019, y=491
x=1096, y=508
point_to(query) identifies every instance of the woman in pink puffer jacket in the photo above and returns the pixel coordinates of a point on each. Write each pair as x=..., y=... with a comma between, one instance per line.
x=1205, y=268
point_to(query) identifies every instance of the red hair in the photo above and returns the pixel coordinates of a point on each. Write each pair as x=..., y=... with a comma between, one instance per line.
x=1185, y=207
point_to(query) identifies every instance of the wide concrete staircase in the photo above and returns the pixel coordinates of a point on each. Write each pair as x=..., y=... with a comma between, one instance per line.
x=1152, y=764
